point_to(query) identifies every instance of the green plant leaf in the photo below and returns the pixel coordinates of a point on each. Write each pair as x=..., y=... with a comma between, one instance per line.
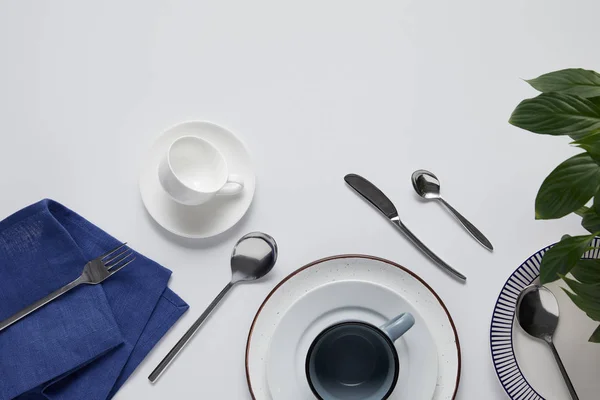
x=596, y=203
x=581, y=211
x=591, y=215
x=570, y=186
x=591, y=144
x=595, y=338
x=557, y=114
x=587, y=271
x=595, y=100
x=591, y=221
x=591, y=309
x=581, y=82
x=589, y=293
x=563, y=256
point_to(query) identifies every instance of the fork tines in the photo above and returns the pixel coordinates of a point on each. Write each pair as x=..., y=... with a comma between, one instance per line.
x=119, y=260
x=110, y=252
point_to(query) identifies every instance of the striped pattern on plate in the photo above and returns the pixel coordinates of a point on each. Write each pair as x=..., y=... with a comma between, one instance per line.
x=501, y=338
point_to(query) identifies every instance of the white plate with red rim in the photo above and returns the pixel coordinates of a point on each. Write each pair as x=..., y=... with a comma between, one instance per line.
x=394, y=281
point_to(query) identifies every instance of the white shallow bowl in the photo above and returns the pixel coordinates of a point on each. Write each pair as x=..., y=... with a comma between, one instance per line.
x=349, y=300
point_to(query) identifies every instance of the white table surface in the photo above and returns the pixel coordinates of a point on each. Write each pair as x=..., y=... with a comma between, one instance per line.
x=316, y=89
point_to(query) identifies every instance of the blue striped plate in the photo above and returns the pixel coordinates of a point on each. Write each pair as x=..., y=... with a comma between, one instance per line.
x=501, y=331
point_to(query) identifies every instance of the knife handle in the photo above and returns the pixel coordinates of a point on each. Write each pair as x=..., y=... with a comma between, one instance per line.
x=415, y=240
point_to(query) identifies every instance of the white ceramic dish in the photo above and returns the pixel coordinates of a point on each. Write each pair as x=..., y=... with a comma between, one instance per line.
x=349, y=300
x=218, y=214
x=525, y=366
x=372, y=270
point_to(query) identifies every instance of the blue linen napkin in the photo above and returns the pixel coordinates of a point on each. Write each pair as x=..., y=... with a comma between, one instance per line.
x=85, y=344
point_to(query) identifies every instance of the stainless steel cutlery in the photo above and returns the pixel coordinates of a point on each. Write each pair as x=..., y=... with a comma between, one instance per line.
x=537, y=313
x=94, y=272
x=427, y=186
x=376, y=197
x=254, y=255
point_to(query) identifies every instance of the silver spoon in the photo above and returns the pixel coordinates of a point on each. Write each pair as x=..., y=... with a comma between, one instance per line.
x=254, y=255
x=537, y=313
x=427, y=186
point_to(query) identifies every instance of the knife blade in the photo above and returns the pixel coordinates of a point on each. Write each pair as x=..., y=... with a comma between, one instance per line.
x=379, y=200
x=372, y=194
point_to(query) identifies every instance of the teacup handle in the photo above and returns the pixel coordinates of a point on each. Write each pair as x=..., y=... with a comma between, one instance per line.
x=398, y=326
x=234, y=185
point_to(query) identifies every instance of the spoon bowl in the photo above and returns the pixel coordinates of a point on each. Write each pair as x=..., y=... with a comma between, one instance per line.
x=253, y=256
x=537, y=313
x=426, y=184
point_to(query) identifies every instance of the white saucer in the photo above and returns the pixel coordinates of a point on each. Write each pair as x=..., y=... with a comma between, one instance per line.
x=390, y=277
x=218, y=214
x=349, y=300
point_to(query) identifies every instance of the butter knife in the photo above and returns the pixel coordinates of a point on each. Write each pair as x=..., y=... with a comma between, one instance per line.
x=380, y=201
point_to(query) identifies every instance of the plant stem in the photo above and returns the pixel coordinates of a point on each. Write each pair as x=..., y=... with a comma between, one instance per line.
x=581, y=211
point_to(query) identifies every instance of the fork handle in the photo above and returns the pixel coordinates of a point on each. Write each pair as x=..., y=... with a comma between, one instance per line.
x=38, y=304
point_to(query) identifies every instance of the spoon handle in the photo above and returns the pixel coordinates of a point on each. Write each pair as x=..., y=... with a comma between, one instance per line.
x=415, y=240
x=468, y=226
x=187, y=336
x=563, y=371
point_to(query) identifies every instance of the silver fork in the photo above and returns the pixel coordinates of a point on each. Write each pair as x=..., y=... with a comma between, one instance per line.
x=93, y=273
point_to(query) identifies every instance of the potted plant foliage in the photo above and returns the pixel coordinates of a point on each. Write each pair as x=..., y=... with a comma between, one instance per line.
x=569, y=105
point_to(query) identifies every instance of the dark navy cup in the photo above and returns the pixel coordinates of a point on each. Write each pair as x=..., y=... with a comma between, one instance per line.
x=356, y=360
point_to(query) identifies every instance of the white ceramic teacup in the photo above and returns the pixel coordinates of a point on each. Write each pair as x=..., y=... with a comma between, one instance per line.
x=193, y=171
